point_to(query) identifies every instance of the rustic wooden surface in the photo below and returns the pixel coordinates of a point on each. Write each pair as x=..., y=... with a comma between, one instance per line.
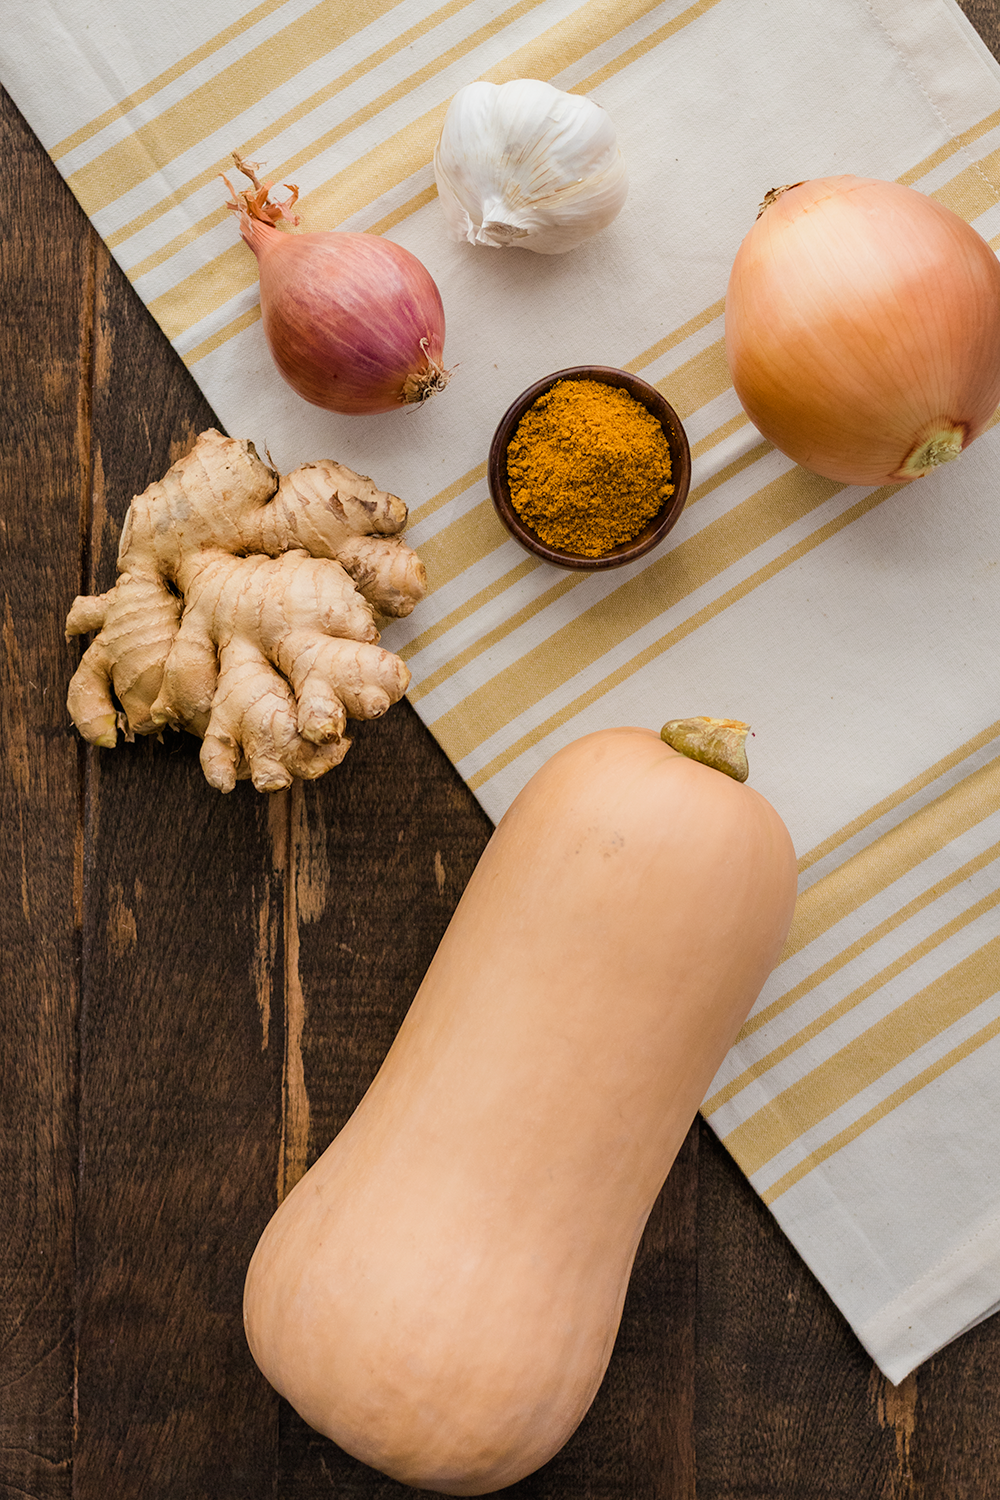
x=197, y=990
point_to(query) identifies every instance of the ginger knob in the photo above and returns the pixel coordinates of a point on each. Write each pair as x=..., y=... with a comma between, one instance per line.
x=245, y=612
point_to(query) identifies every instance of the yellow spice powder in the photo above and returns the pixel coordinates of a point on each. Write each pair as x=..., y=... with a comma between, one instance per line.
x=588, y=466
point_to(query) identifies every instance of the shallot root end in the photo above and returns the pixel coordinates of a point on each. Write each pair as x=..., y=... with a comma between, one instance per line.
x=421, y=385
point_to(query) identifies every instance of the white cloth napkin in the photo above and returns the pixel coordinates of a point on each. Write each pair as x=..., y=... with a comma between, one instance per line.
x=857, y=630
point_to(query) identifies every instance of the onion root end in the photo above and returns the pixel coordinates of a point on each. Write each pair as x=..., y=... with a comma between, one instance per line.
x=941, y=446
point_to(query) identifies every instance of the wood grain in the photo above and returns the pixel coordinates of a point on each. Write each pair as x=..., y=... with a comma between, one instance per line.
x=197, y=990
x=44, y=464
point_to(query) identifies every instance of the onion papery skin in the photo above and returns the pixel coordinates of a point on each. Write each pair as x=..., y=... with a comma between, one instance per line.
x=354, y=322
x=862, y=319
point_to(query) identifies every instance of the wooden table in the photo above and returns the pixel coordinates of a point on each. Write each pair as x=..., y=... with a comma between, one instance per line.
x=198, y=989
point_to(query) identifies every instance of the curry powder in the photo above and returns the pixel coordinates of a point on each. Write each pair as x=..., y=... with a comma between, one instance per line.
x=588, y=466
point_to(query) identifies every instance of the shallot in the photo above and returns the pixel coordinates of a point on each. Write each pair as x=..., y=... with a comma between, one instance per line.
x=863, y=329
x=354, y=322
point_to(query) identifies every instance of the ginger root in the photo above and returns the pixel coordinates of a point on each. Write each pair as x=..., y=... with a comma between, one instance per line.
x=245, y=612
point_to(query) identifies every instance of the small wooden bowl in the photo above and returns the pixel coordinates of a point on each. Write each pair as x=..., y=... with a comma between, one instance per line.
x=655, y=529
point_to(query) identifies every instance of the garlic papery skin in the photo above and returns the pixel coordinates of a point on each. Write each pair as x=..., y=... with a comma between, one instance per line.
x=526, y=164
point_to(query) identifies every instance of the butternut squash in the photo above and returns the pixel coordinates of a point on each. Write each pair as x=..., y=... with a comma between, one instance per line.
x=440, y=1293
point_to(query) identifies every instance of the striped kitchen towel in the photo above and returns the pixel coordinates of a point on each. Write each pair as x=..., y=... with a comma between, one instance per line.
x=858, y=630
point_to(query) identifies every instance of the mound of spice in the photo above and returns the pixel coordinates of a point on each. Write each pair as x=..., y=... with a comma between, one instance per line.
x=588, y=466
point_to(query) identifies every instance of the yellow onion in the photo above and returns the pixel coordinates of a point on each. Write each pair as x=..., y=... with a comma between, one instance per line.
x=354, y=322
x=863, y=329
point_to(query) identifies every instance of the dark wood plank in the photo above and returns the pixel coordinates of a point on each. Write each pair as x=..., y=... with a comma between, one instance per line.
x=786, y=1395
x=181, y=1035
x=985, y=17
x=179, y=1119
x=44, y=353
x=949, y=1425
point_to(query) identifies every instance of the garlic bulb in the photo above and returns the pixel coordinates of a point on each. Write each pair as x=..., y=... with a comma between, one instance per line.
x=526, y=164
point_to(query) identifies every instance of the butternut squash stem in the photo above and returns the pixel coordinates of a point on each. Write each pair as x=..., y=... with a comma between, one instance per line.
x=718, y=743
